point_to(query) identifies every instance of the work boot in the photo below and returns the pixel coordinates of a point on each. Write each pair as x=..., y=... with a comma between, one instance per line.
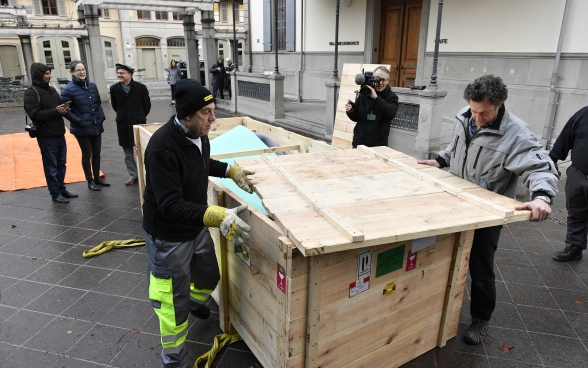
x=476, y=333
x=93, y=186
x=68, y=194
x=101, y=182
x=60, y=199
x=131, y=181
x=201, y=311
x=570, y=253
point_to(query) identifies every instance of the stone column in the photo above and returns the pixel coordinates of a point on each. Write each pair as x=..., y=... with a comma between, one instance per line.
x=209, y=49
x=333, y=87
x=84, y=46
x=430, y=121
x=276, y=107
x=192, y=53
x=96, y=63
x=27, y=51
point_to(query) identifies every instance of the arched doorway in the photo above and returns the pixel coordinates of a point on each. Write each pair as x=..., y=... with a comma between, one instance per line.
x=57, y=53
x=176, y=49
x=9, y=61
x=149, y=55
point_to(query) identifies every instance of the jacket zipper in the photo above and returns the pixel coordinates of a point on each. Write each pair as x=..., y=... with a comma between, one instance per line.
x=477, y=157
x=455, y=145
x=490, y=170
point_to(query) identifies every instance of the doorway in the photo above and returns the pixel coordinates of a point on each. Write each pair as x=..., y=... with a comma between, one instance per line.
x=149, y=63
x=9, y=59
x=57, y=54
x=399, y=39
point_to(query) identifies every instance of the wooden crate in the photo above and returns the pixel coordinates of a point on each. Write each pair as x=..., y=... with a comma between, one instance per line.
x=293, y=293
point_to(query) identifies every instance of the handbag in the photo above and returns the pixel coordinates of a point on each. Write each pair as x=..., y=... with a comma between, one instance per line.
x=32, y=128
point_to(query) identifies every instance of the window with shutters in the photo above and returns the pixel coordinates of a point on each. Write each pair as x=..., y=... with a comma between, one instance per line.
x=216, y=13
x=160, y=15
x=238, y=12
x=144, y=14
x=147, y=41
x=281, y=25
x=177, y=16
x=176, y=42
x=224, y=10
x=49, y=7
x=104, y=13
x=284, y=38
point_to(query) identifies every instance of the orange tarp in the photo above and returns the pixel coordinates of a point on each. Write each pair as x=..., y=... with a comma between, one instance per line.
x=21, y=166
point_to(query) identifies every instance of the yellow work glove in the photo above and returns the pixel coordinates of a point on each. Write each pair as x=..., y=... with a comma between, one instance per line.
x=239, y=176
x=232, y=227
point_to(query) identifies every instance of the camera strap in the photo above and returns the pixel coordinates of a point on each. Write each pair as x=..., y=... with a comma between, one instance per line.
x=38, y=101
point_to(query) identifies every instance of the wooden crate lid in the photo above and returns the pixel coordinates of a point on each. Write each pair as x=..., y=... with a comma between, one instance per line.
x=333, y=201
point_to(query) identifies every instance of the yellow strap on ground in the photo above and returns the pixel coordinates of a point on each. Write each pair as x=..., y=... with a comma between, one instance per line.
x=110, y=244
x=220, y=341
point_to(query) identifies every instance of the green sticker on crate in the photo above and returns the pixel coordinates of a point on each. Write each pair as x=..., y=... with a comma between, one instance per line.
x=390, y=261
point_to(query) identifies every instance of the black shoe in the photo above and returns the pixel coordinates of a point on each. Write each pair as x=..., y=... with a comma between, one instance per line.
x=570, y=253
x=201, y=311
x=60, y=199
x=93, y=186
x=67, y=194
x=101, y=182
x=476, y=333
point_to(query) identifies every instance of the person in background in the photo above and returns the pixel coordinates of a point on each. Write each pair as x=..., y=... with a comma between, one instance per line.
x=218, y=77
x=43, y=105
x=174, y=75
x=374, y=112
x=130, y=99
x=230, y=67
x=574, y=137
x=182, y=269
x=491, y=147
x=86, y=119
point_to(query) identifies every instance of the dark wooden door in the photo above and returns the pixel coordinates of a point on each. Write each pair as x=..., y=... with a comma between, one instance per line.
x=399, y=39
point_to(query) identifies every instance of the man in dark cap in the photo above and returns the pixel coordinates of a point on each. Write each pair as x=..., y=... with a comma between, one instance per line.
x=182, y=269
x=43, y=105
x=130, y=99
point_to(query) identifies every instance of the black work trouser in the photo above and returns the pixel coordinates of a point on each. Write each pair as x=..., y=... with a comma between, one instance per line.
x=577, y=205
x=90, y=146
x=483, y=290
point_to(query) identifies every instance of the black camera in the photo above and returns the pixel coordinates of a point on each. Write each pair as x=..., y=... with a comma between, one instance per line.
x=367, y=79
x=32, y=129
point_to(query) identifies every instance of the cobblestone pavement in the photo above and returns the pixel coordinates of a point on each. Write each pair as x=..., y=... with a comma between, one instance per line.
x=58, y=309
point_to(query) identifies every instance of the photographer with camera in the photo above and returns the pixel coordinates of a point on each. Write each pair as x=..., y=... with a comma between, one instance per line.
x=374, y=108
x=42, y=104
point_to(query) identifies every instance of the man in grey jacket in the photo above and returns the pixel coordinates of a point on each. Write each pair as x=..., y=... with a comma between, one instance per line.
x=491, y=148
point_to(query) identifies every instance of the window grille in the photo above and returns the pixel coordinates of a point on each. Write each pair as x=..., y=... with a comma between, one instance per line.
x=407, y=118
x=161, y=15
x=176, y=42
x=147, y=41
x=144, y=14
x=257, y=91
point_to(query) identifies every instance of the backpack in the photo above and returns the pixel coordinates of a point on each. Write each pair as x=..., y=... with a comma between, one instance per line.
x=32, y=128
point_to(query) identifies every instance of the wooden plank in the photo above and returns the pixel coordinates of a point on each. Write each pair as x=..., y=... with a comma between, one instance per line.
x=139, y=158
x=465, y=237
x=220, y=156
x=455, y=191
x=223, y=303
x=313, y=321
x=253, y=343
x=282, y=322
x=337, y=221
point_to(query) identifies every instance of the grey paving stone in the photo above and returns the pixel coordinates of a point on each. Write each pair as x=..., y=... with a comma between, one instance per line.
x=561, y=279
x=96, y=222
x=571, y=300
x=59, y=335
x=457, y=344
x=142, y=350
x=74, y=255
x=24, y=357
x=579, y=322
x=101, y=344
x=23, y=325
x=6, y=350
x=22, y=293
x=502, y=293
x=511, y=257
x=6, y=258
x=119, y=283
x=85, y=278
x=22, y=267
x=47, y=231
x=427, y=360
x=74, y=235
x=92, y=307
x=137, y=264
x=129, y=314
x=534, y=296
x=520, y=274
x=6, y=282
x=523, y=348
x=507, y=363
x=68, y=362
x=506, y=315
x=455, y=359
x=548, y=321
x=50, y=250
x=560, y=351
x=22, y=245
x=55, y=300
x=112, y=259
x=6, y=312
x=52, y=272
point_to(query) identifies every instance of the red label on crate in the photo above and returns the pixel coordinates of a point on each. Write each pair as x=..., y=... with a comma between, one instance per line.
x=281, y=278
x=411, y=262
x=359, y=286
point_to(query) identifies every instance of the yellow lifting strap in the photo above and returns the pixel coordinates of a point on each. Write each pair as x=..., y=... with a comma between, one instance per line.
x=108, y=245
x=220, y=341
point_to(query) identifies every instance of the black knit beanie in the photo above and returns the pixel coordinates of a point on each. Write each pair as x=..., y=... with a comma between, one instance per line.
x=191, y=96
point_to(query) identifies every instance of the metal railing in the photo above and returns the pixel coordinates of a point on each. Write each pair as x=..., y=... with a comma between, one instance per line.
x=258, y=91
x=407, y=117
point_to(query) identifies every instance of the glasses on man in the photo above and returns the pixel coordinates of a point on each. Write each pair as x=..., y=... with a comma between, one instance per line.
x=384, y=80
x=80, y=70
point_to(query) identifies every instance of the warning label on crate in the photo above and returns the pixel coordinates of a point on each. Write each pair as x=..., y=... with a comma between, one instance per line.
x=281, y=278
x=411, y=262
x=364, y=264
x=389, y=289
x=390, y=261
x=243, y=251
x=359, y=286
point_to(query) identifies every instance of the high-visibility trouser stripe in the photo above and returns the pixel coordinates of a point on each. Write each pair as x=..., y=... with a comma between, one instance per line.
x=199, y=295
x=172, y=336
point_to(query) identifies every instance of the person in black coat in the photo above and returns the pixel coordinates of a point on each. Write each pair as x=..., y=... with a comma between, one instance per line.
x=219, y=72
x=574, y=137
x=43, y=105
x=130, y=99
x=86, y=121
x=374, y=112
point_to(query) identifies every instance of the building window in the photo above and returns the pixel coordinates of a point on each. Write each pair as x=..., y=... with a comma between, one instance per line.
x=241, y=17
x=216, y=13
x=177, y=16
x=147, y=41
x=104, y=13
x=281, y=24
x=4, y=2
x=224, y=7
x=221, y=51
x=176, y=42
x=161, y=15
x=144, y=14
x=49, y=7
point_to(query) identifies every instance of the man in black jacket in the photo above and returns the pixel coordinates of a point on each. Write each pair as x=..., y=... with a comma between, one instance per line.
x=182, y=269
x=130, y=99
x=219, y=72
x=374, y=112
x=574, y=137
x=43, y=105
